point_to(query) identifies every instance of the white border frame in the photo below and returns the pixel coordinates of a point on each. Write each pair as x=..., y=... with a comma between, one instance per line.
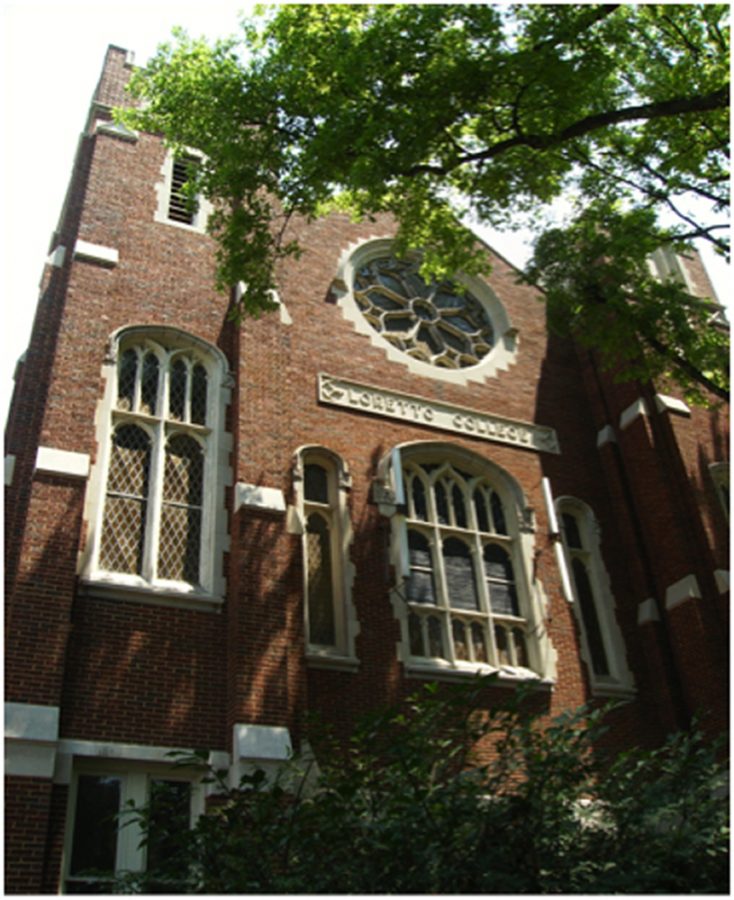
x=499, y=358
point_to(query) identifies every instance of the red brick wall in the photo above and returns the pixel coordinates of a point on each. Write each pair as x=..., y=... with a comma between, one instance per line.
x=126, y=671
x=27, y=803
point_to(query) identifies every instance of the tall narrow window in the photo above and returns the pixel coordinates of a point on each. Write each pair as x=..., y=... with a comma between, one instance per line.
x=602, y=643
x=330, y=623
x=464, y=600
x=157, y=524
x=181, y=206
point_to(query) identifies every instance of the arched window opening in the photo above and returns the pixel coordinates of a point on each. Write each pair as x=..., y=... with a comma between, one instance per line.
x=464, y=605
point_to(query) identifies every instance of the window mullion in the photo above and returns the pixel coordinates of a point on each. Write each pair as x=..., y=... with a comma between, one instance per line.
x=155, y=500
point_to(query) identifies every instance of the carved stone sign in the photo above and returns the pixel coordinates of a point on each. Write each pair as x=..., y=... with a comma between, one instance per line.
x=420, y=410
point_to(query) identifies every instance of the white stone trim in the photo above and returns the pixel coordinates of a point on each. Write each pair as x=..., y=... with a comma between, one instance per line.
x=648, y=611
x=520, y=544
x=56, y=257
x=619, y=681
x=342, y=654
x=685, y=589
x=113, y=751
x=722, y=580
x=163, y=195
x=96, y=253
x=258, y=497
x=31, y=722
x=501, y=356
x=62, y=462
x=31, y=735
x=664, y=403
x=9, y=469
x=606, y=436
x=165, y=341
x=463, y=420
x=261, y=742
x=633, y=411
x=116, y=130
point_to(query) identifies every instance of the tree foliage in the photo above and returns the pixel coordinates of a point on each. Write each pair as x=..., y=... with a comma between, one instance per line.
x=407, y=807
x=436, y=112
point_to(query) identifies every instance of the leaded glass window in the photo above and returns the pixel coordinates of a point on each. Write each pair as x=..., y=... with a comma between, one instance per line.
x=325, y=525
x=153, y=521
x=464, y=601
x=440, y=323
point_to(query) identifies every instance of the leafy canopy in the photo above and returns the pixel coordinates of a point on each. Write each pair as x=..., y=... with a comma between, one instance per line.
x=408, y=807
x=438, y=112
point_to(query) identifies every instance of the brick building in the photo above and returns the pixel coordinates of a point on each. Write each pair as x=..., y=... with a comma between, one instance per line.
x=213, y=530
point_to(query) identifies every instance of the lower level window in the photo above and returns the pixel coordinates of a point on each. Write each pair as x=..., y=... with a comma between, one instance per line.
x=465, y=593
x=105, y=840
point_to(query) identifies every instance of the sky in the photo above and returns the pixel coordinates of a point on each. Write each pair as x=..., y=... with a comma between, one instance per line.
x=51, y=54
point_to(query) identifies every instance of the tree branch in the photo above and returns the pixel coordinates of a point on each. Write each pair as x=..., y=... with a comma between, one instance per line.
x=685, y=366
x=676, y=106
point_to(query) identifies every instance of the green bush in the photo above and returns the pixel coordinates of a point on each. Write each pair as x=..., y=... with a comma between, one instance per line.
x=408, y=808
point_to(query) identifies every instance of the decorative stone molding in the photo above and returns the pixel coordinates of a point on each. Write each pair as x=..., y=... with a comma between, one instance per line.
x=633, y=411
x=648, y=612
x=96, y=253
x=70, y=749
x=502, y=355
x=117, y=130
x=255, y=496
x=9, y=469
x=31, y=737
x=606, y=436
x=62, y=462
x=446, y=417
x=722, y=580
x=265, y=747
x=56, y=257
x=664, y=403
x=685, y=589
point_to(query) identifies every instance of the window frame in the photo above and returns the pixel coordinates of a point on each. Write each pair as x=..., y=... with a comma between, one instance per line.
x=168, y=345
x=164, y=192
x=502, y=355
x=619, y=680
x=393, y=484
x=135, y=779
x=336, y=513
x=719, y=473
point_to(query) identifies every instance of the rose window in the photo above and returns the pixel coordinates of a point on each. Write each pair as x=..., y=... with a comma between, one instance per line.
x=437, y=323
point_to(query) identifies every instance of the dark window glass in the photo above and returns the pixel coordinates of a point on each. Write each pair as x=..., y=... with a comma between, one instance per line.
x=458, y=632
x=442, y=507
x=459, y=574
x=501, y=581
x=415, y=636
x=420, y=584
x=418, y=491
x=123, y=528
x=571, y=532
x=503, y=651
x=457, y=499
x=149, y=384
x=478, y=642
x=126, y=371
x=590, y=618
x=177, y=391
x=315, y=483
x=198, y=395
x=498, y=514
x=170, y=805
x=322, y=629
x=480, y=507
x=94, y=843
x=435, y=639
x=179, y=546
